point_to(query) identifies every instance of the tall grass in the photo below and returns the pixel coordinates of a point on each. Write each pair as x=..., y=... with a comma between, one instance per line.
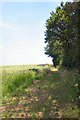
x=17, y=78
x=61, y=85
x=12, y=81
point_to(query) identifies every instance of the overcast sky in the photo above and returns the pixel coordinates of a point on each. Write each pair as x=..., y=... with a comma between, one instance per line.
x=22, y=27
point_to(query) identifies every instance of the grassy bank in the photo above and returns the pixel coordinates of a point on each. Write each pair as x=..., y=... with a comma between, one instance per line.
x=45, y=92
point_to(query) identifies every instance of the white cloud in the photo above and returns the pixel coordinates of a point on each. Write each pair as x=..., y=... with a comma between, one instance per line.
x=24, y=46
x=7, y=25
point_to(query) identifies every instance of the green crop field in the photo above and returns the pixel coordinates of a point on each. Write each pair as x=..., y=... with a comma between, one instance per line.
x=38, y=91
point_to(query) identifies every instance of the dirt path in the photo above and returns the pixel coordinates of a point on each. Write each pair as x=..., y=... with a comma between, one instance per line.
x=43, y=99
x=37, y=102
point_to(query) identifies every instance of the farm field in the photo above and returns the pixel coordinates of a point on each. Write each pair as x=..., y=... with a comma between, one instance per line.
x=38, y=91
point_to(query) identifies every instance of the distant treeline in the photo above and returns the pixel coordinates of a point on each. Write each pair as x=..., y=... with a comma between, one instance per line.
x=62, y=35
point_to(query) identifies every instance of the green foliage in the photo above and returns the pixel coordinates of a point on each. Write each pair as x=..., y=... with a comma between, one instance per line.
x=62, y=35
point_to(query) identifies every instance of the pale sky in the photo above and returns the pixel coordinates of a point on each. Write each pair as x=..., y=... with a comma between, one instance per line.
x=22, y=26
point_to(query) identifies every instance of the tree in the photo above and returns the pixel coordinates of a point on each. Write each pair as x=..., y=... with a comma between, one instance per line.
x=62, y=35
